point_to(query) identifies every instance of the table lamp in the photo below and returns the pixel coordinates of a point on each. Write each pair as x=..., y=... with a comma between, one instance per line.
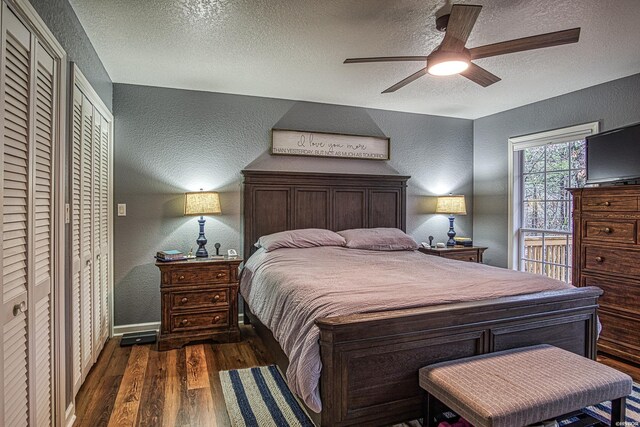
x=452, y=205
x=202, y=203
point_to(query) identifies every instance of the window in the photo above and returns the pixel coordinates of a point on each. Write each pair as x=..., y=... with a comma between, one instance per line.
x=542, y=167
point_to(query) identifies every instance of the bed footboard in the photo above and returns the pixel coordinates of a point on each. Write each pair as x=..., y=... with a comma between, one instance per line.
x=370, y=361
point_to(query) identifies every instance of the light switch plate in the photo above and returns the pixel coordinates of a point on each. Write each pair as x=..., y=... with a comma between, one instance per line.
x=122, y=209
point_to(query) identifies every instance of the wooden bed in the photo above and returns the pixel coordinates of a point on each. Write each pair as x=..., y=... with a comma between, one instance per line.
x=370, y=362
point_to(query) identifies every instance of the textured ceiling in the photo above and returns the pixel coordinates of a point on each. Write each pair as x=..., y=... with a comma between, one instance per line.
x=294, y=49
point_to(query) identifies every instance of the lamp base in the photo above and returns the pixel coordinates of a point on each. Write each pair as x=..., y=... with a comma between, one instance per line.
x=451, y=233
x=201, y=241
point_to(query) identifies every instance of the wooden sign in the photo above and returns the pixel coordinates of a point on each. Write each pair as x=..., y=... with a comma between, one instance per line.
x=321, y=144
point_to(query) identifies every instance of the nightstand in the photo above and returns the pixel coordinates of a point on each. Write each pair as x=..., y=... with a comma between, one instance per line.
x=199, y=300
x=461, y=253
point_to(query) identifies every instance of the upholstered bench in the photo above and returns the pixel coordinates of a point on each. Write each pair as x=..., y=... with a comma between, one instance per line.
x=518, y=387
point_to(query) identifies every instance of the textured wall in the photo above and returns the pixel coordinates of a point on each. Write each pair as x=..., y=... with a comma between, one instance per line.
x=64, y=24
x=614, y=104
x=168, y=141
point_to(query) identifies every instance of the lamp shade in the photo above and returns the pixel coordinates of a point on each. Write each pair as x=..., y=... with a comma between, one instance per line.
x=202, y=203
x=451, y=205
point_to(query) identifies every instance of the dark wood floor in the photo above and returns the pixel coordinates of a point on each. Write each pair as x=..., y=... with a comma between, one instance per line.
x=139, y=386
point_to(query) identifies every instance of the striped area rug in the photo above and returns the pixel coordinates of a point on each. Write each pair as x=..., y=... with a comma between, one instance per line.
x=260, y=397
x=602, y=411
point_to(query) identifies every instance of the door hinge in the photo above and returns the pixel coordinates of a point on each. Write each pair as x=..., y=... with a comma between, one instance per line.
x=67, y=213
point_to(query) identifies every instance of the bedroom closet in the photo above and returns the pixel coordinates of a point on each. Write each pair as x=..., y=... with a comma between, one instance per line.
x=32, y=250
x=91, y=239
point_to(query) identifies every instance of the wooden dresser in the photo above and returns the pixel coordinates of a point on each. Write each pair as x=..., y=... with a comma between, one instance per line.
x=606, y=254
x=199, y=301
x=461, y=253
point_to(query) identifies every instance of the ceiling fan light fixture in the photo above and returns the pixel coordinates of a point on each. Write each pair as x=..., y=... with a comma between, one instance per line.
x=447, y=63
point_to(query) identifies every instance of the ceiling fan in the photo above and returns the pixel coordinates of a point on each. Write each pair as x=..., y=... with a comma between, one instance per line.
x=452, y=57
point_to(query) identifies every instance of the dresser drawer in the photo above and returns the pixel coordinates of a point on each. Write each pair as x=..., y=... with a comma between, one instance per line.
x=619, y=294
x=200, y=299
x=609, y=203
x=610, y=231
x=620, y=332
x=470, y=256
x=195, y=321
x=189, y=276
x=606, y=260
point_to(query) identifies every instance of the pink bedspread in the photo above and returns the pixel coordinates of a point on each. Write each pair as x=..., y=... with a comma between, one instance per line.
x=288, y=289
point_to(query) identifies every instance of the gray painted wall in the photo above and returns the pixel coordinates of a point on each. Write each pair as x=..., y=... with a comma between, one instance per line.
x=61, y=19
x=168, y=141
x=614, y=104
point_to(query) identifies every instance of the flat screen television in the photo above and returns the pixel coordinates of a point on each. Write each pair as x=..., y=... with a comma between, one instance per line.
x=614, y=156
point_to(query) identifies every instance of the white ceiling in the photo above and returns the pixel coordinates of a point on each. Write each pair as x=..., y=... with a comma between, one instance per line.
x=294, y=49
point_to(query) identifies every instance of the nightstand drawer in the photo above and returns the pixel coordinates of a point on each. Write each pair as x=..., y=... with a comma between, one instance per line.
x=610, y=231
x=599, y=259
x=470, y=256
x=194, y=321
x=207, y=275
x=200, y=299
x=609, y=203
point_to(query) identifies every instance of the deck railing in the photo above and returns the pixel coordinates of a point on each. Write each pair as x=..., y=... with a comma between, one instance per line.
x=553, y=253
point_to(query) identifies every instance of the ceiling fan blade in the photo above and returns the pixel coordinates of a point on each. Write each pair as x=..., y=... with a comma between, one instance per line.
x=526, y=43
x=461, y=21
x=406, y=81
x=480, y=75
x=384, y=59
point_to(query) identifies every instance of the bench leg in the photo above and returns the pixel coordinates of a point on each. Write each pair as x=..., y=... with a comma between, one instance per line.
x=618, y=411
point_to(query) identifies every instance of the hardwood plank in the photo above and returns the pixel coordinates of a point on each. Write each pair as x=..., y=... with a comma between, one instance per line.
x=196, y=367
x=151, y=411
x=125, y=410
x=201, y=408
x=90, y=385
x=172, y=390
x=219, y=406
x=95, y=407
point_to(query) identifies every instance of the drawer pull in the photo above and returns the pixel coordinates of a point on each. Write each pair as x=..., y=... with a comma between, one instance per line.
x=219, y=275
x=184, y=300
x=607, y=203
x=185, y=321
x=606, y=230
x=599, y=259
x=216, y=318
x=181, y=278
x=216, y=297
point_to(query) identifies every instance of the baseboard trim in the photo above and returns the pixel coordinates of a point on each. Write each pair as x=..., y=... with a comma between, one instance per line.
x=120, y=330
x=70, y=415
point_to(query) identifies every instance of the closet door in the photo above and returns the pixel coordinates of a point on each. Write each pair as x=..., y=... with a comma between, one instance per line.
x=16, y=62
x=77, y=328
x=104, y=220
x=28, y=178
x=96, y=295
x=86, y=246
x=40, y=306
x=90, y=227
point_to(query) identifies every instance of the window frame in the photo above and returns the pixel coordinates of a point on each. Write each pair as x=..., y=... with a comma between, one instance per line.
x=515, y=184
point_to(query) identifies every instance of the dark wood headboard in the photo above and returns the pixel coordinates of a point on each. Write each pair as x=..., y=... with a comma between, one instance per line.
x=278, y=201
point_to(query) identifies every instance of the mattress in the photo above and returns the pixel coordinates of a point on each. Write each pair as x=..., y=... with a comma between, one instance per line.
x=288, y=289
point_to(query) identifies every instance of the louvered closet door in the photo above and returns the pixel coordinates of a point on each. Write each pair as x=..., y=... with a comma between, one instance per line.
x=27, y=226
x=96, y=296
x=103, y=219
x=76, y=254
x=40, y=306
x=86, y=241
x=15, y=203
